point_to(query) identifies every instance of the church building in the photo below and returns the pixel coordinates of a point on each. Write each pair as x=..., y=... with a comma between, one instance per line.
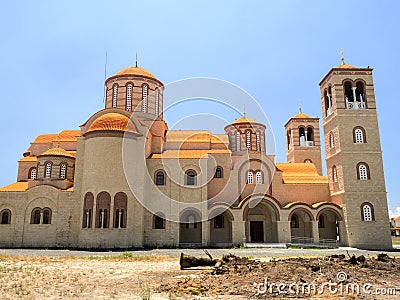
x=124, y=180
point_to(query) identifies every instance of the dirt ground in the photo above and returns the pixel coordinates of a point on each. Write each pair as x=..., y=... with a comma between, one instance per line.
x=129, y=277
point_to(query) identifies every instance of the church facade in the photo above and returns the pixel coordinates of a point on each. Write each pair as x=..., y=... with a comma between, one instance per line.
x=73, y=188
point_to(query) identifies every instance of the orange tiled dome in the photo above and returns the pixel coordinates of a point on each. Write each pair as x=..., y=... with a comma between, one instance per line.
x=135, y=71
x=244, y=120
x=114, y=122
x=57, y=152
x=301, y=115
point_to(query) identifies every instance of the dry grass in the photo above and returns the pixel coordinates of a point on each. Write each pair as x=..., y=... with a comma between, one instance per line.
x=97, y=277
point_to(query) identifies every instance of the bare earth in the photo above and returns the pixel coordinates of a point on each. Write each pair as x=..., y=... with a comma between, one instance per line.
x=159, y=277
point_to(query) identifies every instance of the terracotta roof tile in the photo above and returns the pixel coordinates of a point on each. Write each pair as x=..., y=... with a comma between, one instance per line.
x=29, y=158
x=182, y=154
x=114, y=122
x=57, y=152
x=15, y=187
x=300, y=173
x=136, y=71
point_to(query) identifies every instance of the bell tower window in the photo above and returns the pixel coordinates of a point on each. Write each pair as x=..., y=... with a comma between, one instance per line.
x=129, y=88
x=363, y=171
x=334, y=174
x=359, y=135
x=259, y=177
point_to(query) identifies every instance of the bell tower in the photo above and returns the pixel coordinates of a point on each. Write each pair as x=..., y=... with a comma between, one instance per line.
x=303, y=143
x=354, y=156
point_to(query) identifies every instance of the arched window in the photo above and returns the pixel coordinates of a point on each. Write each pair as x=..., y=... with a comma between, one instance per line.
x=360, y=92
x=348, y=92
x=219, y=221
x=363, y=171
x=158, y=221
x=87, y=210
x=248, y=140
x=238, y=141
x=120, y=207
x=250, y=177
x=310, y=134
x=103, y=210
x=63, y=170
x=259, y=177
x=294, y=221
x=308, y=161
x=115, y=95
x=258, y=141
x=35, y=215
x=157, y=96
x=367, y=212
x=302, y=136
x=289, y=139
x=5, y=216
x=32, y=173
x=46, y=215
x=218, y=172
x=331, y=140
x=334, y=174
x=321, y=221
x=129, y=88
x=191, y=222
x=160, y=178
x=145, y=92
x=359, y=135
x=190, y=177
x=47, y=169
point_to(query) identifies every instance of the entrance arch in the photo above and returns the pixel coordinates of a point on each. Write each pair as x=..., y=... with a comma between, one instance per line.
x=261, y=223
x=328, y=224
x=190, y=227
x=221, y=228
x=300, y=225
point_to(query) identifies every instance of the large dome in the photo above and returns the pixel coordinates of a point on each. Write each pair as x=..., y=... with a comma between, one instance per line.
x=135, y=71
x=113, y=122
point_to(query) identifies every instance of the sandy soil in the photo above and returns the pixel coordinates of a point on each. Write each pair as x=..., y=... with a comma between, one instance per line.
x=127, y=277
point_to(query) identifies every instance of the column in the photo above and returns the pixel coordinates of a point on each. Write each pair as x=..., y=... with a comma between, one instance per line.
x=315, y=231
x=238, y=232
x=41, y=218
x=343, y=241
x=354, y=96
x=284, y=233
x=205, y=233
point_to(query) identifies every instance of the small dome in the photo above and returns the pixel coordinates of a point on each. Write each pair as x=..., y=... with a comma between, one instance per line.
x=114, y=122
x=301, y=115
x=244, y=120
x=57, y=152
x=136, y=71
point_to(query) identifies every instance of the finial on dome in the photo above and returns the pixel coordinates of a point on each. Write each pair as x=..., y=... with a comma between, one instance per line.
x=342, y=54
x=244, y=110
x=136, y=59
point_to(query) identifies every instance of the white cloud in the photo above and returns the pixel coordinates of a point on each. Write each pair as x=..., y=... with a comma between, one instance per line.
x=395, y=213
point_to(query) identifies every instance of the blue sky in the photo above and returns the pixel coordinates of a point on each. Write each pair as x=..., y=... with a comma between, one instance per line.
x=52, y=59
